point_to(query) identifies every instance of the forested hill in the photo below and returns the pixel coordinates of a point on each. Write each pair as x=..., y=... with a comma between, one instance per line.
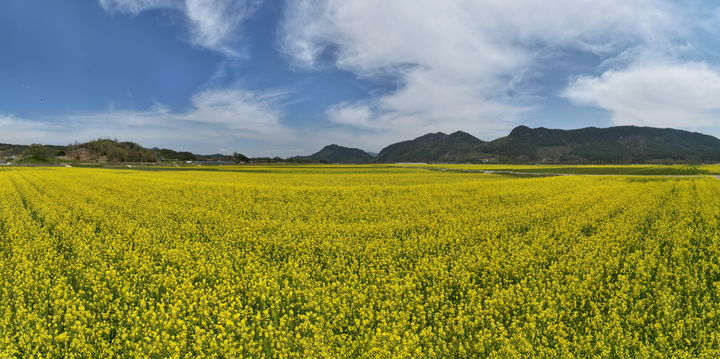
x=113, y=151
x=434, y=147
x=338, y=154
x=100, y=149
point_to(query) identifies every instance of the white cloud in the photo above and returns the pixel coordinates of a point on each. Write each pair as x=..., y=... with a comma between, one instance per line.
x=428, y=103
x=456, y=60
x=242, y=120
x=354, y=114
x=137, y=6
x=213, y=24
x=251, y=112
x=662, y=95
x=17, y=130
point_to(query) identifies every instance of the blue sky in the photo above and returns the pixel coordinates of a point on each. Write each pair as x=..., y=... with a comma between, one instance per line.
x=279, y=77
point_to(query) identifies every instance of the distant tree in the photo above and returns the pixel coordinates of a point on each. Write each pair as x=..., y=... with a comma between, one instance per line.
x=117, y=154
x=186, y=156
x=260, y=160
x=239, y=157
x=36, y=152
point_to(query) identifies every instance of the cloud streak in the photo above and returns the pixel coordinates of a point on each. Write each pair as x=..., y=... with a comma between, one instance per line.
x=212, y=24
x=238, y=120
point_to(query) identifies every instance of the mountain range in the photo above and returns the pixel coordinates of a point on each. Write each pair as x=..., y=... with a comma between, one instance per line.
x=621, y=144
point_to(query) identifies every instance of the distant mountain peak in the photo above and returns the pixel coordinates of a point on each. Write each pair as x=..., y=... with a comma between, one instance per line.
x=432, y=136
x=334, y=153
x=431, y=147
x=519, y=131
x=459, y=133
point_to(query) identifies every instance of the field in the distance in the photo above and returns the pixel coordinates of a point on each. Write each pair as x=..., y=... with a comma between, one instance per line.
x=630, y=170
x=356, y=261
x=634, y=170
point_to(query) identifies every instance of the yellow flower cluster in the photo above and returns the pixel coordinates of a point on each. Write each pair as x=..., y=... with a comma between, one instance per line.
x=356, y=262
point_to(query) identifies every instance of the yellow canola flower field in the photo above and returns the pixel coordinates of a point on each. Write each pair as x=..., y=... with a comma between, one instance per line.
x=356, y=262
